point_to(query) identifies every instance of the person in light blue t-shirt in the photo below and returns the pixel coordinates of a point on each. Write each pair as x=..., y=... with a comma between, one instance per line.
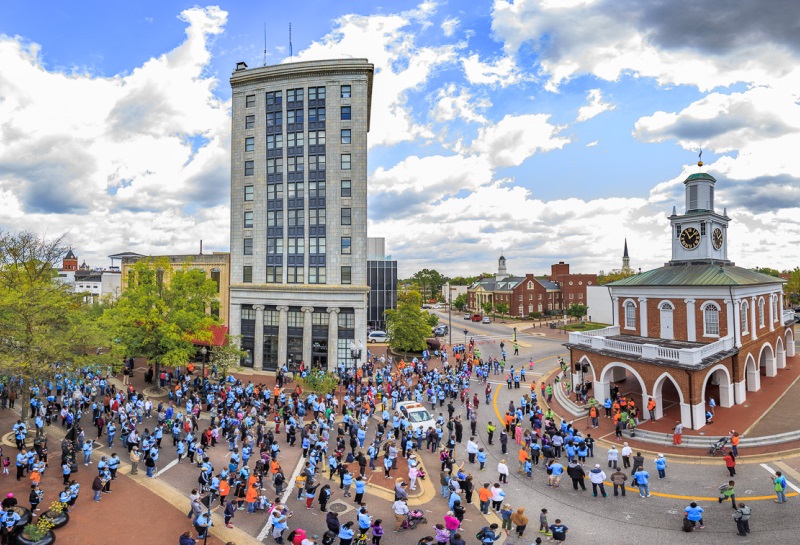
x=694, y=514
x=642, y=479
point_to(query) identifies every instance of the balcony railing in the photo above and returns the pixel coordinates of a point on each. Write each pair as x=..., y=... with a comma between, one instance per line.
x=685, y=356
x=789, y=317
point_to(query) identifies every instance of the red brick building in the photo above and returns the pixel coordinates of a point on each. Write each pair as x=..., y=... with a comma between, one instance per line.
x=697, y=327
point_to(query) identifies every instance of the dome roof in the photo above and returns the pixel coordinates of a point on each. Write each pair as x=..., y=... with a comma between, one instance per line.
x=700, y=176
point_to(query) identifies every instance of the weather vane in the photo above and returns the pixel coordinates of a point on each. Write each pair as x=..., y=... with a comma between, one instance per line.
x=700, y=159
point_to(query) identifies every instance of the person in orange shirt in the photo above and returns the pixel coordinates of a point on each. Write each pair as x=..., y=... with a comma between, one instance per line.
x=224, y=490
x=508, y=419
x=615, y=407
x=250, y=497
x=735, y=443
x=485, y=496
x=593, y=418
x=651, y=408
x=523, y=457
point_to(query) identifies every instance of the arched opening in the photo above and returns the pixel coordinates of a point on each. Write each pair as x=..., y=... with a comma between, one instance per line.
x=669, y=399
x=751, y=375
x=583, y=372
x=766, y=362
x=780, y=353
x=625, y=380
x=789, y=343
x=718, y=384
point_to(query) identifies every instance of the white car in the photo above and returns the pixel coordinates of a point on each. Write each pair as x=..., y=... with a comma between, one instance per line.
x=486, y=320
x=377, y=337
x=417, y=415
x=437, y=305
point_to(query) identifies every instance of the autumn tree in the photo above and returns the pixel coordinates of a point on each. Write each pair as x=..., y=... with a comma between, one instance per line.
x=162, y=313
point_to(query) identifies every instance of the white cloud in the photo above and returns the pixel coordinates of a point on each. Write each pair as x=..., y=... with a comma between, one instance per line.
x=516, y=138
x=103, y=154
x=450, y=25
x=400, y=66
x=454, y=103
x=502, y=72
x=595, y=107
x=591, y=144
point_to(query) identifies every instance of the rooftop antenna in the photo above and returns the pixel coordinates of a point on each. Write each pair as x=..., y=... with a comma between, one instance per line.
x=290, y=41
x=265, y=44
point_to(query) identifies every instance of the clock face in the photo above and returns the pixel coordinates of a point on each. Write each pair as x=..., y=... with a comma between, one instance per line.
x=690, y=238
x=716, y=238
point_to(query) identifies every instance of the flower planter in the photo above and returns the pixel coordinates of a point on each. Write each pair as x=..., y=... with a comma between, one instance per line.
x=25, y=516
x=49, y=539
x=58, y=519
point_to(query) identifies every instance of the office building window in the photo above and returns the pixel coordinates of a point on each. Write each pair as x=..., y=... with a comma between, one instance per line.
x=275, y=246
x=295, y=190
x=316, y=189
x=316, y=216
x=275, y=166
x=294, y=276
x=274, y=191
x=274, y=275
x=316, y=138
x=294, y=116
x=275, y=218
x=250, y=122
x=247, y=275
x=711, y=320
x=316, y=93
x=249, y=167
x=345, y=136
x=320, y=318
x=249, y=101
x=274, y=119
x=295, y=164
x=248, y=193
x=745, y=316
x=345, y=113
x=316, y=162
x=273, y=317
x=316, y=114
x=295, y=217
x=345, y=188
x=294, y=319
x=345, y=91
x=346, y=279
x=275, y=141
x=294, y=95
x=316, y=245
x=274, y=98
x=294, y=139
x=248, y=313
x=296, y=246
x=346, y=216
x=248, y=246
x=250, y=143
x=345, y=161
x=346, y=241
x=248, y=219
x=316, y=275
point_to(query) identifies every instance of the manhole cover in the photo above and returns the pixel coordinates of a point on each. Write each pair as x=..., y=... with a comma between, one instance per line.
x=338, y=507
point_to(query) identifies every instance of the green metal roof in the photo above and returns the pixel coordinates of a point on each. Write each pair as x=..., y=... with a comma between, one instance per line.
x=700, y=176
x=704, y=274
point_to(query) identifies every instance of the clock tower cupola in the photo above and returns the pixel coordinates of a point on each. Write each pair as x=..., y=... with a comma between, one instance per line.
x=699, y=235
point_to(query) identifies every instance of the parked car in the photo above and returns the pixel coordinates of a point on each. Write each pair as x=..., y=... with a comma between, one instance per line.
x=440, y=331
x=477, y=317
x=486, y=320
x=467, y=315
x=437, y=305
x=377, y=337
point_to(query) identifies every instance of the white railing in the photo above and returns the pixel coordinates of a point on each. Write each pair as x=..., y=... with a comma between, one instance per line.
x=789, y=317
x=686, y=356
x=604, y=332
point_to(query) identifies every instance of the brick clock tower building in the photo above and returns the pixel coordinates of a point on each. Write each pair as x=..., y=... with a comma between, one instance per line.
x=697, y=327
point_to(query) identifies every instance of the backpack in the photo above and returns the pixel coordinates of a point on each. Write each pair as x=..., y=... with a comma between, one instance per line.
x=479, y=536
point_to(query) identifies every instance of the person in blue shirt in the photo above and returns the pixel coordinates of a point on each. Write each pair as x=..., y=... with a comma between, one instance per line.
x=87, y=452
x=113, y=465
x=347, y=482
x=556, y=470
x=21, y=462
x=364, y=521
x=661, y=466
x=482, y=458
x=641, y=478
x=346, y=533
x=694, y=514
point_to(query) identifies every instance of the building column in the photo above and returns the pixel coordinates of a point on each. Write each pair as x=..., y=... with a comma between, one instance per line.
x=258, y=338
x=333, y=338
x=615, y=312
x=737, y=323
x=699, y=412
x=726, y=395
x=781, y=358
x=770, y=366
x=307, y=335
x=283, y=332
x=753, y=323
x=361, y=333
x=772, y=313
x=643, y=316
x=691, y=320
x=740, y=390
x=235, y=320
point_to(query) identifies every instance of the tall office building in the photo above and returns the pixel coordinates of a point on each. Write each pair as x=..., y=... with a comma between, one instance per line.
x=299, y=212
x=382, y=280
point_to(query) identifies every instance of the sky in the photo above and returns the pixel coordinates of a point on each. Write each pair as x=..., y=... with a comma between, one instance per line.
x=546, y=130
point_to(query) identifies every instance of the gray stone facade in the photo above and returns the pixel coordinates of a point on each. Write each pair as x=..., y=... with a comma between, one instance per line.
x=282, y=308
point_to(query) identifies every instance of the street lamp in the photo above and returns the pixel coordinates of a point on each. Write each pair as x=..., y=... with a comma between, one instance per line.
x=466, y=331
x=204, y=351
x=515, y=334
x=450, y=313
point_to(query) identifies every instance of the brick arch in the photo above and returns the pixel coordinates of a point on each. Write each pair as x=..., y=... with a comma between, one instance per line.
x=766, y=359
x=789, y=342
x=726, y=391
x=604, y=377
x=751, y=375
x=585, y=359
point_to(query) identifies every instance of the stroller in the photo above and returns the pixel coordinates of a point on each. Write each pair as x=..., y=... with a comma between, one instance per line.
x=413, y=518
x=719, y=446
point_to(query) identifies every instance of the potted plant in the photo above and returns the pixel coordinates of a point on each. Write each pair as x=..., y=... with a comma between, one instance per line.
x=40, y=533
x=57, y=514
x=25, y=515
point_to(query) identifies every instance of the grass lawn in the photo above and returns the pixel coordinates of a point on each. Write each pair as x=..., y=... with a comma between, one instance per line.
x=585, y=326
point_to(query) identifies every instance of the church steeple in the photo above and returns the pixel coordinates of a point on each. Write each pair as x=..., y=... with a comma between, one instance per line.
x=626, y=261
x=501, y=269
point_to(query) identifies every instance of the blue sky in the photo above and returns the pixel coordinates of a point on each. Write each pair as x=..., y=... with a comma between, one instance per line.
x=547, y=129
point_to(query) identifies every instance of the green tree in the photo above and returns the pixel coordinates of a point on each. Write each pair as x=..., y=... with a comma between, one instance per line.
x=460, y=302
x=407, y=325
x=463, y=280
x=430, y=283
x=318, y=381
x=577, y=311
x=487, y=307
x=433, y=319
x=613, y=276
x=227, y=356
x=44, y=328
x=502, y=308
x=791, y=289
x=162, y=312
x=768, y=271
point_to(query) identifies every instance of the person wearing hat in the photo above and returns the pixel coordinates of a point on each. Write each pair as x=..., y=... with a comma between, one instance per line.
x=661, y=466
x=626, y=453
x=597, y=476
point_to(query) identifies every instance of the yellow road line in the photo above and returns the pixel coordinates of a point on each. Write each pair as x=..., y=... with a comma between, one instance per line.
x=628, y=488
